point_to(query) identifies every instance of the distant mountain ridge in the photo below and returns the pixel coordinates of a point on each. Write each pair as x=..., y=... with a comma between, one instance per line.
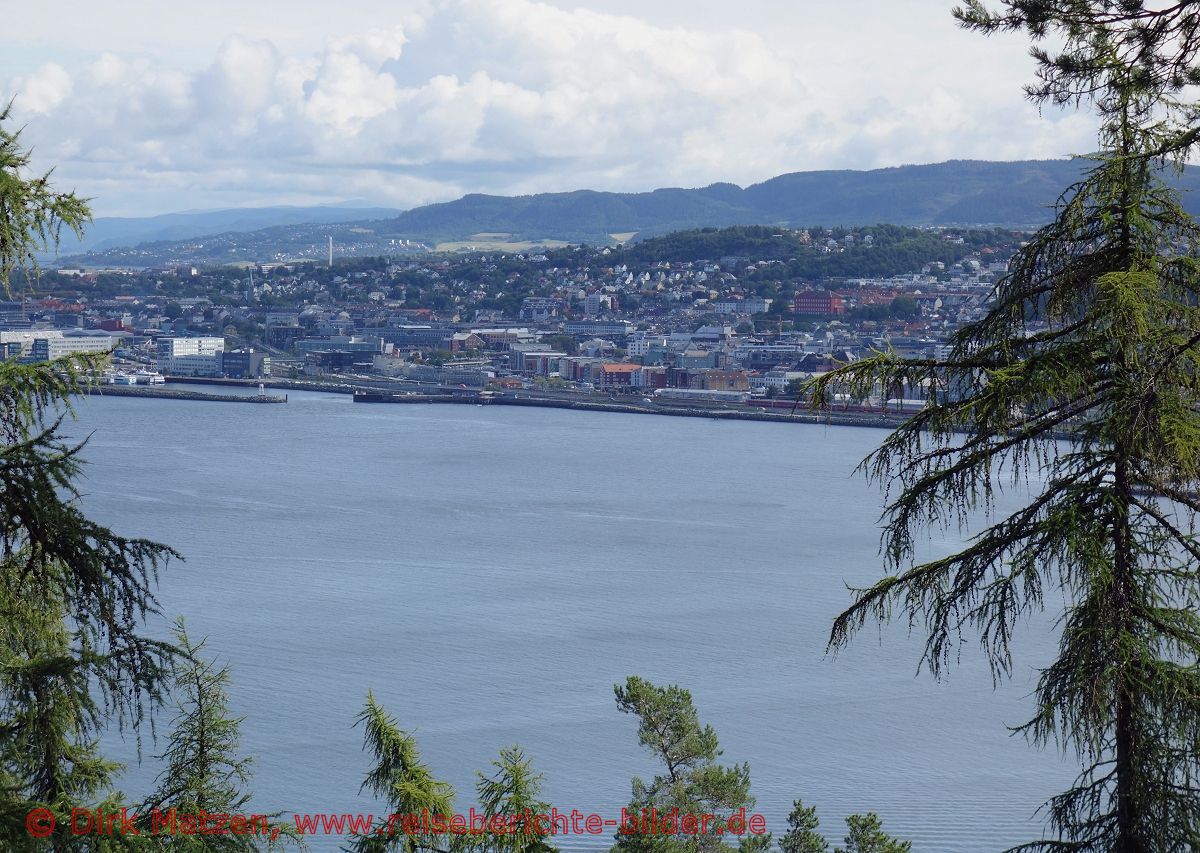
x=108, y=232
x=959, y=192
x=962, y=192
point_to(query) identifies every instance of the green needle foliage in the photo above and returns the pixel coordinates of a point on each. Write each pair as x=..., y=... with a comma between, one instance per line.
x=73, y=594
x=403, y=781
x=48, y=755
x=1081, y=385
x=32, y=212
x=515, y=791
x=1152, y=45
x=865, y=835
x=422, y=816
x=204, y=773
x=802, y=835
x=203, y=769
x=694, y=783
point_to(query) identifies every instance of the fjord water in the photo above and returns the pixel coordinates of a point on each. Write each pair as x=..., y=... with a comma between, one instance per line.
x=491, y=572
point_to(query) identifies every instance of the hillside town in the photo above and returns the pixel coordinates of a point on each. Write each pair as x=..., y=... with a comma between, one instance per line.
x=584, y=319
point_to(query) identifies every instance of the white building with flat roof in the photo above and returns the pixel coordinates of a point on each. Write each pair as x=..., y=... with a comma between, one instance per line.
x=201, y=356
x=48, y=349
x=49, y=344
x=171, y=347
x=26, y=337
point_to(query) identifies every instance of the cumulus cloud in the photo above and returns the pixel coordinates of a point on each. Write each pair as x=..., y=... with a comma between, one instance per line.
x=45, y=89
x=505, y=96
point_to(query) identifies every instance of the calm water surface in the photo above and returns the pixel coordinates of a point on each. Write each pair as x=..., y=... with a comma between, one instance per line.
x=491, y=572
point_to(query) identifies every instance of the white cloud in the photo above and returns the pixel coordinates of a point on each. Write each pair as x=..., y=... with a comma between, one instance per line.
x=45, y=89
x=521, y=96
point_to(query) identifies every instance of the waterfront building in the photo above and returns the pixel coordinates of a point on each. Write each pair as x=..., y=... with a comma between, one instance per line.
x=245, y=364
x=172, y=347
x=50, y=348
x=197, y=356
x=24, y=338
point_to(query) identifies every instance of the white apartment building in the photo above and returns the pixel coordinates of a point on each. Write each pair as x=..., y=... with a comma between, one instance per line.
x=49, y=344
x=200, y=356
x=48, y=349
x=640, y=344
x=173, y=347
x=26, y=337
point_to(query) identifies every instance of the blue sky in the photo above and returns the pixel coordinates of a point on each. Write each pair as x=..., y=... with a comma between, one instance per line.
x=149, y=107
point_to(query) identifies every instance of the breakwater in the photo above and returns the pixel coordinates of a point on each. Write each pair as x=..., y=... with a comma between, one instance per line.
x=176, y=394
x=801, y=416
x=714, y=412
x=324, y=387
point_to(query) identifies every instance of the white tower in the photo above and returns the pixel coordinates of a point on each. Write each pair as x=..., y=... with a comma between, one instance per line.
x=331, y=252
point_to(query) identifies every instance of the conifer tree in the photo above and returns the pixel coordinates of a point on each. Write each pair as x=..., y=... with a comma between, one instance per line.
x=1080, y=387
x=204, y=773
x=32, y=212
x=422, y=816
x=1077, y=45
x=203, y=770
x=864, y=834
x=73, y=594
x=514, y=791
x=693, y=784
x=401, y=779
x=802, y=835
x=48, y=754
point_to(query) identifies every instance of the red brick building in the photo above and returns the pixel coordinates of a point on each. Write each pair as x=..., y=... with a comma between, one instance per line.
x=614, y=375
x=819, y=303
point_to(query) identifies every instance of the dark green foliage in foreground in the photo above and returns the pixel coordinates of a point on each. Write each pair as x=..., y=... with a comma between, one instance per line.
x=203, y=769
x=402, y=780
x=514, y=790
x=73, y=594
x=204, y=772
x=72, y=600
x=864, y=834
x=802, y=835
x=693, y=782
x=32, y=213
x=1095, y=334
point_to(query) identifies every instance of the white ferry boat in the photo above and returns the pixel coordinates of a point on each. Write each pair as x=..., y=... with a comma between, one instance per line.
x=149, y=377
x=137, y=377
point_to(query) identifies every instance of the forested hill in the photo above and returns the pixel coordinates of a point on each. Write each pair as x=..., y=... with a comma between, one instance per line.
x=963, y=192
x=878, y=250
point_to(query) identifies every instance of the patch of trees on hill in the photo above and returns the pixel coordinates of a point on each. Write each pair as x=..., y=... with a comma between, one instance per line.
x=819, y=253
